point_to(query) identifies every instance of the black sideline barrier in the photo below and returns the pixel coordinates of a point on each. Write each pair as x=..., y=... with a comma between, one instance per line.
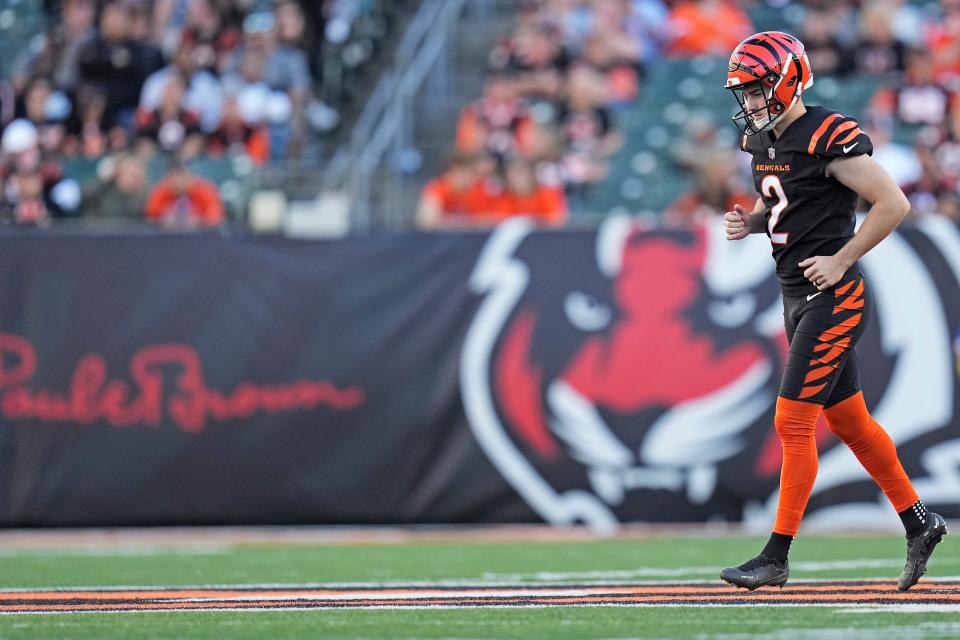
x=608, y=376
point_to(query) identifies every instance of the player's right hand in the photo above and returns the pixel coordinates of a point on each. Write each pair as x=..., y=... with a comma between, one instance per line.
x=737, y=223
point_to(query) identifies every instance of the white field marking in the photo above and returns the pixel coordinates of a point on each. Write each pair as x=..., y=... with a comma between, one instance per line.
x=399, y=594
x=644, y=572
x=498, y=578
x=918, y=631
x=402, y=595
x=763, y=605
x=835, y=565
x=906, y=608
x=149, y=550
x=415, y=584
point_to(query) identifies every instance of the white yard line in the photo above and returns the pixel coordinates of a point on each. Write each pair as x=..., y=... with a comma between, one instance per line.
x=647, y=572
x=400, y=595
x=204, y=549
x=139, y=550
x=919, y=631
x=792, y=634
x=908, y=608
x=466, y=583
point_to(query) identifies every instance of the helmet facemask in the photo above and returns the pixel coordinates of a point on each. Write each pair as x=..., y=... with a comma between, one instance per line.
x=772, y=109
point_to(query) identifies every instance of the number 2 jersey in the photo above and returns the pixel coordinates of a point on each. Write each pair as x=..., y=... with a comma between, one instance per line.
x=808, y=213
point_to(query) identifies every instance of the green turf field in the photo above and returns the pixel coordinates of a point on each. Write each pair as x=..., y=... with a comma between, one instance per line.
x=626, y=561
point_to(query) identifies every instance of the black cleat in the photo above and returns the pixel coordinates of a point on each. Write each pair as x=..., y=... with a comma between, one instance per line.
x=758, y=572
x=919, y=549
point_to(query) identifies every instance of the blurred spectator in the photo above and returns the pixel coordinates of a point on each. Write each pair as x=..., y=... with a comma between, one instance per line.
x=184, y=200
x=917, y=98
x=455, y=196
x=545, y=153
x=120, y=190
x=878, y=50
x=706, y=27
x=647, y=22
x=820, y=37
x=249, y=84
x=292, y=28
x=213, y=30
x=938, y=189
x=85, y=135
x=465, y=197
x=638, y=27
x=615, y=49
x=523, y=195
x=140, y=24
x=240, y=132
x=171, y=126
x=534, y=13
x=535, y=59
x=167, y=25
x=899, y=160
x=40, y=106
x=587, y=126
x=203, y=96
x=284, y=70
x=315, y=16
x=943, y=42
x=55, y=54
x=33, y=189
x=572, y=17
x=114, y=61
x=622, y=77
x=499, y=122
x=907, y=23
x=717, y=188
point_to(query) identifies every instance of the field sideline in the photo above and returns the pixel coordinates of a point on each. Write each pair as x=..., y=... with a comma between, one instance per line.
x=501, y=582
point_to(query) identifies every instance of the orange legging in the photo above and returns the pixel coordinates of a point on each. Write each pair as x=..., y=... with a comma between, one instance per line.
x=850, y=421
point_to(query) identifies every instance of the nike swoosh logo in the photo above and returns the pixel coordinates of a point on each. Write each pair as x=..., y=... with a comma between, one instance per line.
x=813, y=295
x=847, y=149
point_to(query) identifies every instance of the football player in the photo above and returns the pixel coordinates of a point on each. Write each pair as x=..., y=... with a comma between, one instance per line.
x=810, y=165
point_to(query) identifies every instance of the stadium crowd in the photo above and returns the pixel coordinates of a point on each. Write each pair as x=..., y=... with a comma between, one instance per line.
x=558, y=81
x=137, y=84
x=142, y=88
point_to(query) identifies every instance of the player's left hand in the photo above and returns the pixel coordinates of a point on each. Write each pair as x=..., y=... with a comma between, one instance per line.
x=823, y=271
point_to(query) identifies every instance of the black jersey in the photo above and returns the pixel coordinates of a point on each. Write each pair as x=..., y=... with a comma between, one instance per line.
x=808, y=213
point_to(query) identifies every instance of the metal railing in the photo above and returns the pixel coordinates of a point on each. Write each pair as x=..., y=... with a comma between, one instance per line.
x=385, y=128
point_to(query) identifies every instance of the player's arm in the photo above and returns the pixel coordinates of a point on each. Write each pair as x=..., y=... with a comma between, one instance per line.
x=739, y=223
x=889, y=205
x=863, y=175
x=758, y=217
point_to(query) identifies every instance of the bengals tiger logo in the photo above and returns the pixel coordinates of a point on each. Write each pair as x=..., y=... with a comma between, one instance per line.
x=634, y=376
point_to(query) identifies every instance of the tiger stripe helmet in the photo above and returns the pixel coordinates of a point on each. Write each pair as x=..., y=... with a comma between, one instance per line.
x=778, y=62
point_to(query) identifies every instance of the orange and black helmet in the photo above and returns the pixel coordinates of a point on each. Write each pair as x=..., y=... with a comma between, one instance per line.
x=778, y=62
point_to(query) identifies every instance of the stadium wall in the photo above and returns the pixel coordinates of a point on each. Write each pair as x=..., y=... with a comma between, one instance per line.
x=606, y=376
